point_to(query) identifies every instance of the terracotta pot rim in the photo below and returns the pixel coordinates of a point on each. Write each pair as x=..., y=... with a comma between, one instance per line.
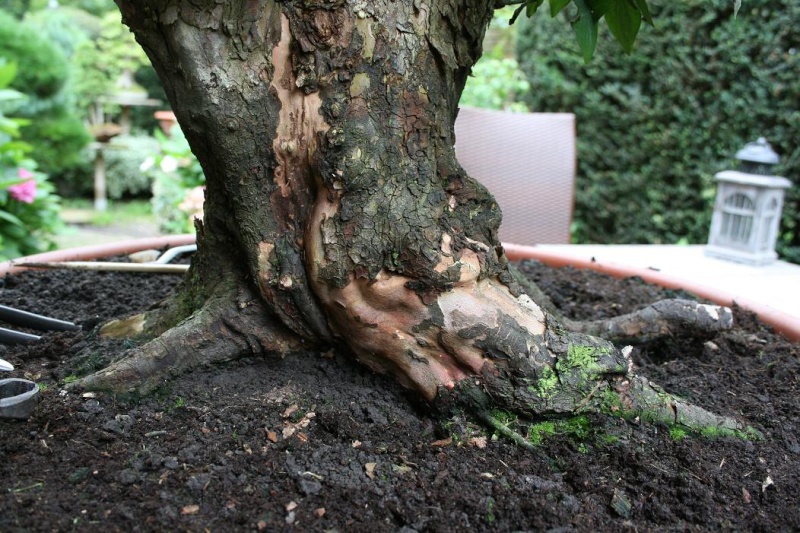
x=95, y=251
x=784, y=323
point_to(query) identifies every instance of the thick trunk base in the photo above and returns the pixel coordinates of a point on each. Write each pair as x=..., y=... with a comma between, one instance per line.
x=334, y=197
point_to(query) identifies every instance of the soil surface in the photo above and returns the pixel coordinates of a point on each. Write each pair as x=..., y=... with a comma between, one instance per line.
x=317, y=443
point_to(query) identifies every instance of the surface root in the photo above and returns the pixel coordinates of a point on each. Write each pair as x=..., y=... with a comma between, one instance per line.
x=219, y=332
x=665, y=318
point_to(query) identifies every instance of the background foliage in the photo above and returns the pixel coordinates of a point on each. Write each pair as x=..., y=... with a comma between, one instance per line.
x=28, y=208
x=100, y=62
x=82, y=46
x=178, y=182
x=43, y=69
x=123, y=159
x=654, y=126
x=54, y=129
x=496, y=82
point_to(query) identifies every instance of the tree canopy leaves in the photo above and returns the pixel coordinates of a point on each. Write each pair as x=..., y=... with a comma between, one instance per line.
x=623, y=17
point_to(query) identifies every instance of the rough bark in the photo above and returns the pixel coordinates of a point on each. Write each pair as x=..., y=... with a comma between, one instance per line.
x=325, y=129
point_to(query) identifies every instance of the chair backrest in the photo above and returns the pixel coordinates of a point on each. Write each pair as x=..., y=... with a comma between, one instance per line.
x=527, y=161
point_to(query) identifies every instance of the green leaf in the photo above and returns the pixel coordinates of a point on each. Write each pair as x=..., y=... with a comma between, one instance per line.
x=17, y=230
x=645, y=11
x=556, y=6
x=516, y=13
x=5, y=184
x=8, y=217
x=8, y=72
x=737, y=5
x=601, y=7
x=8, y=127
x=624, y=21
x=9, y=95
x=585, y=26
x=17, y=146
x=531, y=8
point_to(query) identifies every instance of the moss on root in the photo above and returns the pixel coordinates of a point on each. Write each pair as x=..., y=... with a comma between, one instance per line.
x=632, y=399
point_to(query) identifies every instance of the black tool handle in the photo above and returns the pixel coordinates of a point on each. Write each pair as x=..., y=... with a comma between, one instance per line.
x=9, y=336
x=34, y=321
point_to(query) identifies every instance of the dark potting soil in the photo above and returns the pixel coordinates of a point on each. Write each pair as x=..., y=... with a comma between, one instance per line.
x=316, y=443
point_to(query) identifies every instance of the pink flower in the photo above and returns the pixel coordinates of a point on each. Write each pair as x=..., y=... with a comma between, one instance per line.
x=26, y=191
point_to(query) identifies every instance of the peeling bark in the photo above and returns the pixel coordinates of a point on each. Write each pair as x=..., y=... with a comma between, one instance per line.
x=325, y=129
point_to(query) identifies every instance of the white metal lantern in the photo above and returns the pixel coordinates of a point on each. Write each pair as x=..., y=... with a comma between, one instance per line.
x=747, y=211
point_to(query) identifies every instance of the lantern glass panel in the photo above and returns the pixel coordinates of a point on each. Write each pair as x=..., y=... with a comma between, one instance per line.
x=770, y=214
x=737, y=219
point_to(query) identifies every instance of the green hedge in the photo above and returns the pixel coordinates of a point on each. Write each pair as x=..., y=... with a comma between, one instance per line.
x=654, y=126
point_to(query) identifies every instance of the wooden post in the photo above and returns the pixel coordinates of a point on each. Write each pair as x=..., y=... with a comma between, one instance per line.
x=100, y=200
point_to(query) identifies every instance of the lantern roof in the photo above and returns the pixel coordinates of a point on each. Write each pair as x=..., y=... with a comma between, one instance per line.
x=744, y=178
x=759, y=151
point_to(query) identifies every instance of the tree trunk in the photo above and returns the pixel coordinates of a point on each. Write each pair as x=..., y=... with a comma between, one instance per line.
x=337, y=212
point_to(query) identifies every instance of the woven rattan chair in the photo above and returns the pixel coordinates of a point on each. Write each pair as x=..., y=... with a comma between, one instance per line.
x=527, y=161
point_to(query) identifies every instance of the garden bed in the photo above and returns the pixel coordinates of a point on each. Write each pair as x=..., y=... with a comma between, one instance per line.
x=316, y=443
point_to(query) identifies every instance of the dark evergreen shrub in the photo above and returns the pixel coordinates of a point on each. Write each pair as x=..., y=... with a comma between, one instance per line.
x=58, y=138
x=43, y=68
x=654, y=126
